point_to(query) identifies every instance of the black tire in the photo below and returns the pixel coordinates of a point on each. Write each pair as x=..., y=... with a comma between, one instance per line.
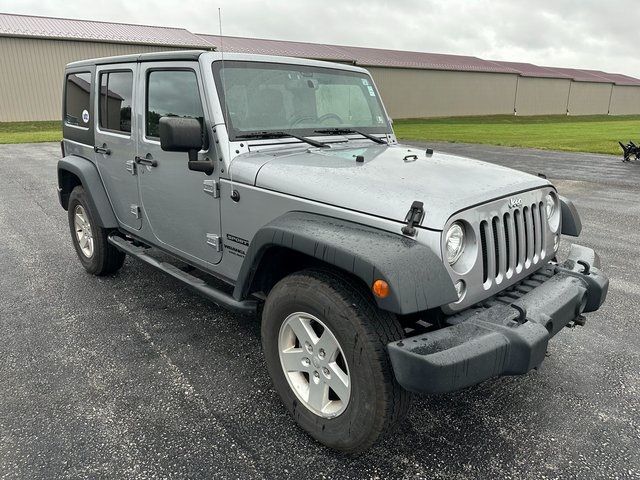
x=376, y=402
x=106, y=258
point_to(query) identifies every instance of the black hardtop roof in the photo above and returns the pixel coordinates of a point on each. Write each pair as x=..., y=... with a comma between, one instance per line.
x=140, y=57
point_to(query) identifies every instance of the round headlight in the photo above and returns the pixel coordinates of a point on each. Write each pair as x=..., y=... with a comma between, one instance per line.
x=454, y=242
x=550, y=206
x=552, y=209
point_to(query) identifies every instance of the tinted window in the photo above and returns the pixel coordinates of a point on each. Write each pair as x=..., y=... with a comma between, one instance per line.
x=115, y=100
x=171, y=93
x=76, y=102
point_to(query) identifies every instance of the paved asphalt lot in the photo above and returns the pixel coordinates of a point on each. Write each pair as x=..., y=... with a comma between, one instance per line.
x=135, y=376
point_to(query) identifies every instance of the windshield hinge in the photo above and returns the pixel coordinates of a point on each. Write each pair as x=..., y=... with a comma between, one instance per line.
x=414, y=217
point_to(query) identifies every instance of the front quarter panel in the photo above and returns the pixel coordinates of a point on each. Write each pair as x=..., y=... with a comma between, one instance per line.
x=417, y=263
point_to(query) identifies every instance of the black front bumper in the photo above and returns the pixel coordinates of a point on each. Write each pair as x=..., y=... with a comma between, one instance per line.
x=506, y=335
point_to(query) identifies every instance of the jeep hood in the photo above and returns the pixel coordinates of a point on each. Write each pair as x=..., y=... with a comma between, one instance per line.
x=386, y=183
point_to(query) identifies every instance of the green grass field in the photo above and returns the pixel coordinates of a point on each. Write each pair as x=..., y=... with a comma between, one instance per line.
x=595, y=134
x=28, y=132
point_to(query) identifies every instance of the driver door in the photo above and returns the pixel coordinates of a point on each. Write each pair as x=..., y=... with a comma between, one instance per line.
x=181, y=206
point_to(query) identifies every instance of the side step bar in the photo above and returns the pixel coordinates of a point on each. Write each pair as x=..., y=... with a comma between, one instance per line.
x=220, y=298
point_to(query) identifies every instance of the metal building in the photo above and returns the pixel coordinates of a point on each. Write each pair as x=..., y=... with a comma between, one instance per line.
x=34, y=51
x=539, y=90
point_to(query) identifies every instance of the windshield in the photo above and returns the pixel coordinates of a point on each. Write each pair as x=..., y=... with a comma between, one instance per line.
x=273, y=97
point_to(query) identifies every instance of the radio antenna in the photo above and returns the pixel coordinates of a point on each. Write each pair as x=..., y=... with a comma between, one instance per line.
x=225, y=107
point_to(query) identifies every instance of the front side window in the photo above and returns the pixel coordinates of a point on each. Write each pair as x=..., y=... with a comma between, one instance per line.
x=115, y=100
x=172, y=93
x=77, y=96
x=260, y=96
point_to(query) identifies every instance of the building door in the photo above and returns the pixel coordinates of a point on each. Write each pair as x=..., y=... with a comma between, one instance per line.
x=181, y=206
x=115, y=140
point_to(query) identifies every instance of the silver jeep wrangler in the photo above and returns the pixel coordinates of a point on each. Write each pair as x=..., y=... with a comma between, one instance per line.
x=275, y=186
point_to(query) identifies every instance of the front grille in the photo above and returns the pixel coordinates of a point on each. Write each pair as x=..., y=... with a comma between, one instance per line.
x=512, y=242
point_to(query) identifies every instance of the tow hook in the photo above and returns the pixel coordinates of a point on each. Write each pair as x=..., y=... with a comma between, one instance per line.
x=587, y=267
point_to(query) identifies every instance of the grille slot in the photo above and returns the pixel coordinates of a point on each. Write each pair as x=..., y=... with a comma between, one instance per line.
x=512, y=242
x=483, y=242
x=508, y=234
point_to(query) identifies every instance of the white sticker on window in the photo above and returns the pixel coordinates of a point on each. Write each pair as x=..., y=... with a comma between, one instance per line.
x=371, y=91
x=365, y=82
x=85, y=116
x=380, y=120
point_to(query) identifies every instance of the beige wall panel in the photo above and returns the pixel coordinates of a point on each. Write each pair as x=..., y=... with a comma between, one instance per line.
x=31, y=72
x=409, y=93
x=625, y=100
x=542, y=96
x=588, y=98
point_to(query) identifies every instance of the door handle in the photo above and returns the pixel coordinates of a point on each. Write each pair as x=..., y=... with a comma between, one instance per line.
x=146, y=161
x=103, y=149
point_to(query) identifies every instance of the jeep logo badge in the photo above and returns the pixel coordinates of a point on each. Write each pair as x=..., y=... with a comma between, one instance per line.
x=515, y=202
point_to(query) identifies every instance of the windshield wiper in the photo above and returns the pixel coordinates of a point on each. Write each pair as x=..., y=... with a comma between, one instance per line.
x=267, y=134
x=345, y=131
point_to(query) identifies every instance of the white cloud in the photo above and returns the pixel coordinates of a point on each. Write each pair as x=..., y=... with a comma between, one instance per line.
x=592, y=34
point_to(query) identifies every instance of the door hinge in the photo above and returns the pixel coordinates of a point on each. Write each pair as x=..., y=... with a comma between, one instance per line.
x=135, y=211
x=215, y=241
x=211, y=187
x=130, y=165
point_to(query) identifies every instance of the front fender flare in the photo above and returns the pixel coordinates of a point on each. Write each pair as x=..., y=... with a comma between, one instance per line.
x=90, y=179
x=571, y=223
x=415, y=273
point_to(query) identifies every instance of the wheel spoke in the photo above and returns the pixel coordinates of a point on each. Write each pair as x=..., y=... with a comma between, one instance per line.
x=292, y=360
x=79, y=220
x=329, y=345
x=339, y=382
x=82, y=241
x=302, y=329
x=318, y=394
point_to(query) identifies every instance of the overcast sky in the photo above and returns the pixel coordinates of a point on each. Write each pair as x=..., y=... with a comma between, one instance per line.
x=595, y=34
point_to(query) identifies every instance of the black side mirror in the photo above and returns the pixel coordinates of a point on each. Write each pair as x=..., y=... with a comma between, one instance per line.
x=178, y=134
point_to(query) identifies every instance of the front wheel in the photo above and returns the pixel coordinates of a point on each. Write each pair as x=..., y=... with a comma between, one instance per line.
x=325, y=347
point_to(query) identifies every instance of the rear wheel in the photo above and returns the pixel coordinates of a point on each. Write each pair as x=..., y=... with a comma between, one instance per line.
x=95, y=252
x=325, y=347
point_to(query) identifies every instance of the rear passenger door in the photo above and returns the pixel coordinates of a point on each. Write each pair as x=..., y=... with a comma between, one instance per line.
x=115, y=140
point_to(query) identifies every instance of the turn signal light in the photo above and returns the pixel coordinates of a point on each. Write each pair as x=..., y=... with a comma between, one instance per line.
x=380, y=289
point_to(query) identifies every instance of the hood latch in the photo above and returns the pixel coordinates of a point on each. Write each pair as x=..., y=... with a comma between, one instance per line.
x=414, y=217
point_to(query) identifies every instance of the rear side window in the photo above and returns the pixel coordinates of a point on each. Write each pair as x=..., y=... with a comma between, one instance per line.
x=172, y=93
x=115, y=101
x=76, y=102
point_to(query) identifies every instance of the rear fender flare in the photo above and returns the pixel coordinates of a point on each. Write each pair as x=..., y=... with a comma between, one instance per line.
x=88, y=175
